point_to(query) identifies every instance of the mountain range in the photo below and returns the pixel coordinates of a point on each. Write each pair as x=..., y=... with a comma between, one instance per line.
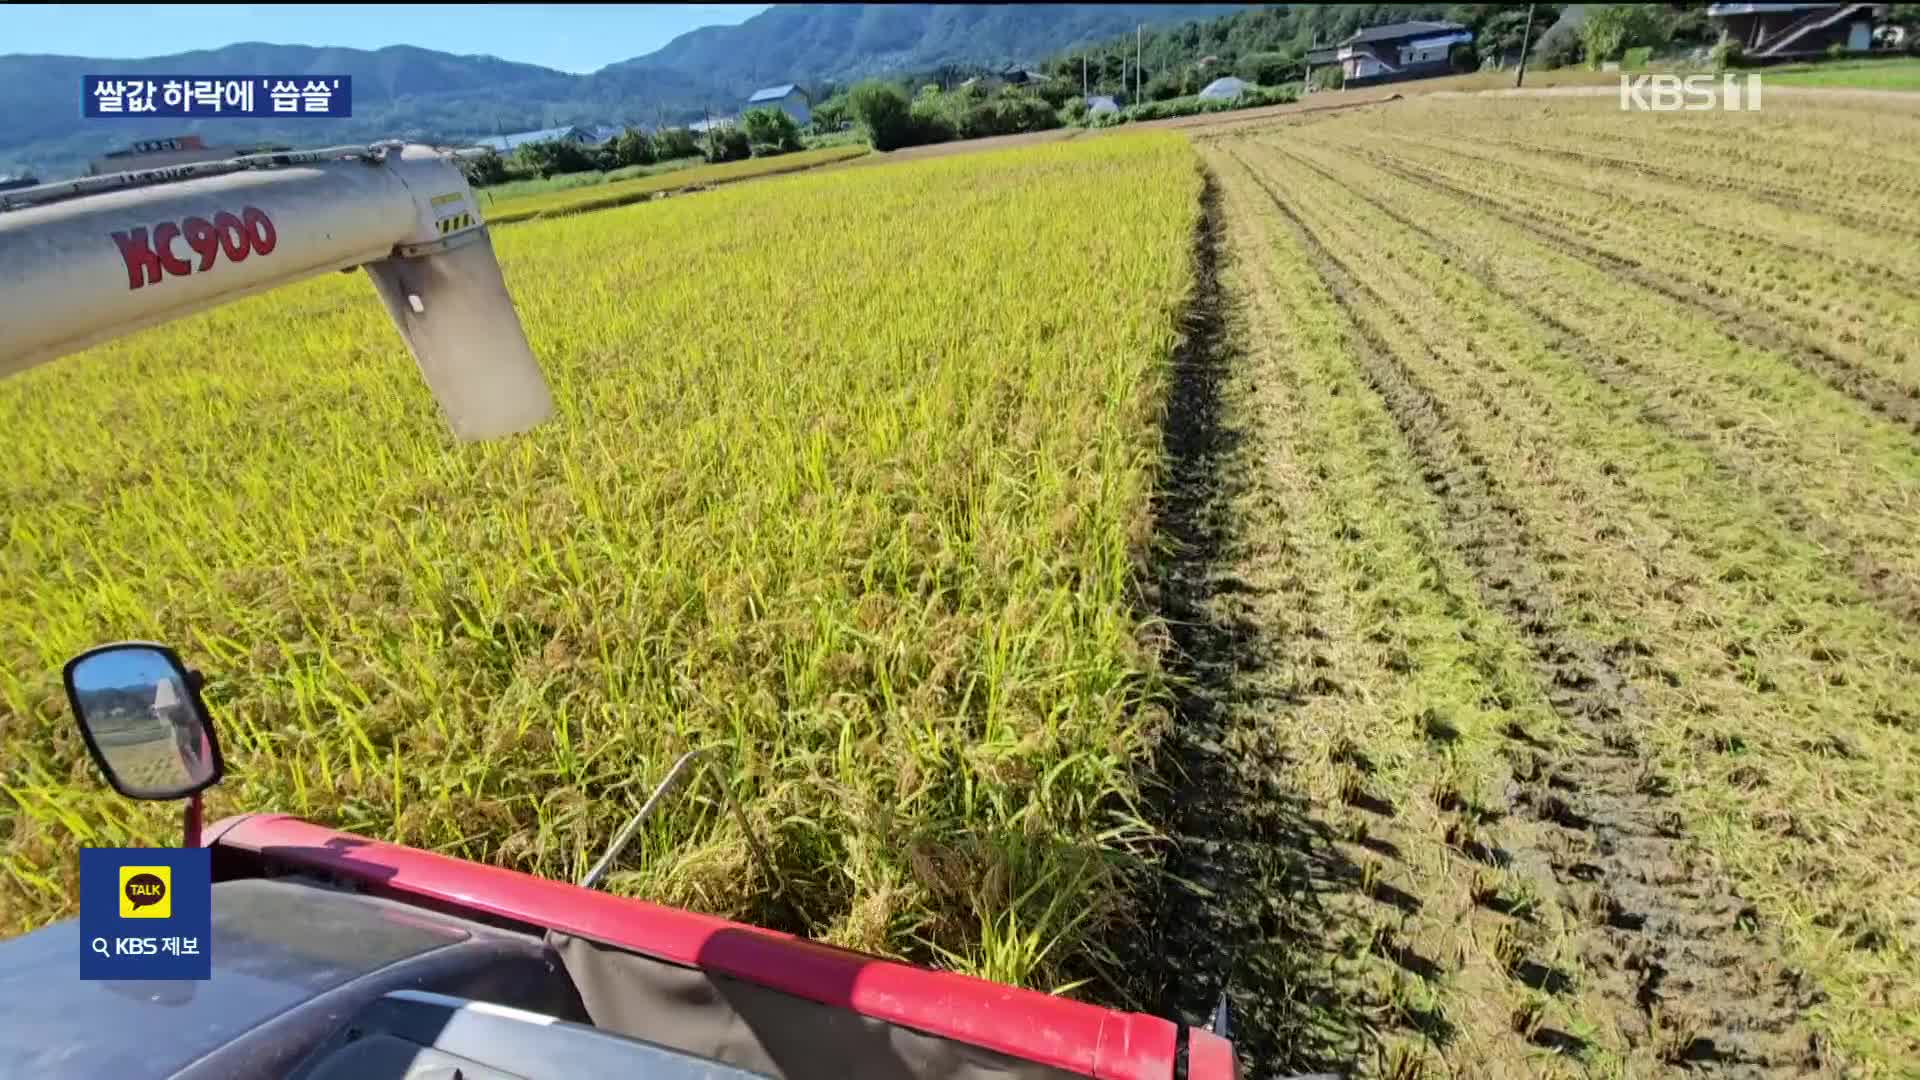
x=406, y=92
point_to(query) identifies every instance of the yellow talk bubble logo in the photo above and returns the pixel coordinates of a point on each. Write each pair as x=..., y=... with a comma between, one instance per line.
x=146, y=892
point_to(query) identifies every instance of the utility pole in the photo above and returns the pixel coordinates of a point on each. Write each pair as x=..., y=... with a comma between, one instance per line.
x=1136, y=62
x=1526, y=42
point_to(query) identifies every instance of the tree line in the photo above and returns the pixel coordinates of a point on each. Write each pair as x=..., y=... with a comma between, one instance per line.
x=762, y=132
x=1158, y=74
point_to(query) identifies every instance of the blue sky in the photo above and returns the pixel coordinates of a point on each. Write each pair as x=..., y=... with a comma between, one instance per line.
x=569, y=37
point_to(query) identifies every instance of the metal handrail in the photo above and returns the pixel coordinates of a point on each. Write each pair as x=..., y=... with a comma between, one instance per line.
x=167, y=174
x=60, y=190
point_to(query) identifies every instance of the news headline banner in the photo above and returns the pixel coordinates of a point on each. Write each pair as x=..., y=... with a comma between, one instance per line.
x=217, y=95
x=146, y=913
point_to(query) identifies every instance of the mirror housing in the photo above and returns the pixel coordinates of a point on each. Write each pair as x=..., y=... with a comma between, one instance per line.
x=141, y=716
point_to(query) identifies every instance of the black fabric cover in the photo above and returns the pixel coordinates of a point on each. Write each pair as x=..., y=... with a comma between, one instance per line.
x=766, y=1031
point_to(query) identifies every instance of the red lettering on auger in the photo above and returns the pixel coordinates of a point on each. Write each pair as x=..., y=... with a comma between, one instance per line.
x=143, y=265
x=237, y=236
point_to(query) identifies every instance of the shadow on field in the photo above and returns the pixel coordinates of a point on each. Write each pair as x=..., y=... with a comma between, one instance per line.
x=1240, y=905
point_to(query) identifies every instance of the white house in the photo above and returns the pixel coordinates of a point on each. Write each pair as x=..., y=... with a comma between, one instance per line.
x=1797, y=29
x=1407, y=50
x=789, y=98
x=1100, y=103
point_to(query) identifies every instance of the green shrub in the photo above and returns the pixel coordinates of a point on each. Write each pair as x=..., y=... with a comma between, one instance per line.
x=631, y=147
x=1007, y=116
x=1267, y=68
x=1611, y=28
x=885, y=113
x=674, y=142
x=1561, y=46
x=1056, y=92
x=728, y=144
x=1195, y=106
x=770, y=131
x=830, y=114
x=1164, y=86
x=556, y=156
x=1636, y=59
x=485, y=169
x=932, y=120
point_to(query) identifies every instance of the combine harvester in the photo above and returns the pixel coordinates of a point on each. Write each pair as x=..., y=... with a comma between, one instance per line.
x=337, y=955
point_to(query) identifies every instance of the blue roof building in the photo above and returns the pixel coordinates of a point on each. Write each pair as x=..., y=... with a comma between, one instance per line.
x=506, y=144
x=787, y=97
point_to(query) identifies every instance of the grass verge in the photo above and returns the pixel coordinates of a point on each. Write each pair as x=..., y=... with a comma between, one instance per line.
x=623, y=192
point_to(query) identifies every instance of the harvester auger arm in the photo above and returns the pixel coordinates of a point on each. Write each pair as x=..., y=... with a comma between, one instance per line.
x=89, y=260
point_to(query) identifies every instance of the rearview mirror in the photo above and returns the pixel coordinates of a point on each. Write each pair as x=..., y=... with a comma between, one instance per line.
x=143, y=721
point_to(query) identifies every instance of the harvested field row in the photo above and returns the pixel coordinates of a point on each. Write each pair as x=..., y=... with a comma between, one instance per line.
x=1830, y=169
x=1573, y=624
x=1878, y=392
x=1725, y=399
x=1675, y=167
x=1839, y=306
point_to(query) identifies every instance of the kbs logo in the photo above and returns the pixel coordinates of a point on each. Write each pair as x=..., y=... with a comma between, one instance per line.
x=250, y=232
x=1694, y=93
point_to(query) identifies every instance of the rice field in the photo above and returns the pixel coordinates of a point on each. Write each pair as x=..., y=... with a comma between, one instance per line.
x=1568, y=552
x=855, y=505
x=1442, y=572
